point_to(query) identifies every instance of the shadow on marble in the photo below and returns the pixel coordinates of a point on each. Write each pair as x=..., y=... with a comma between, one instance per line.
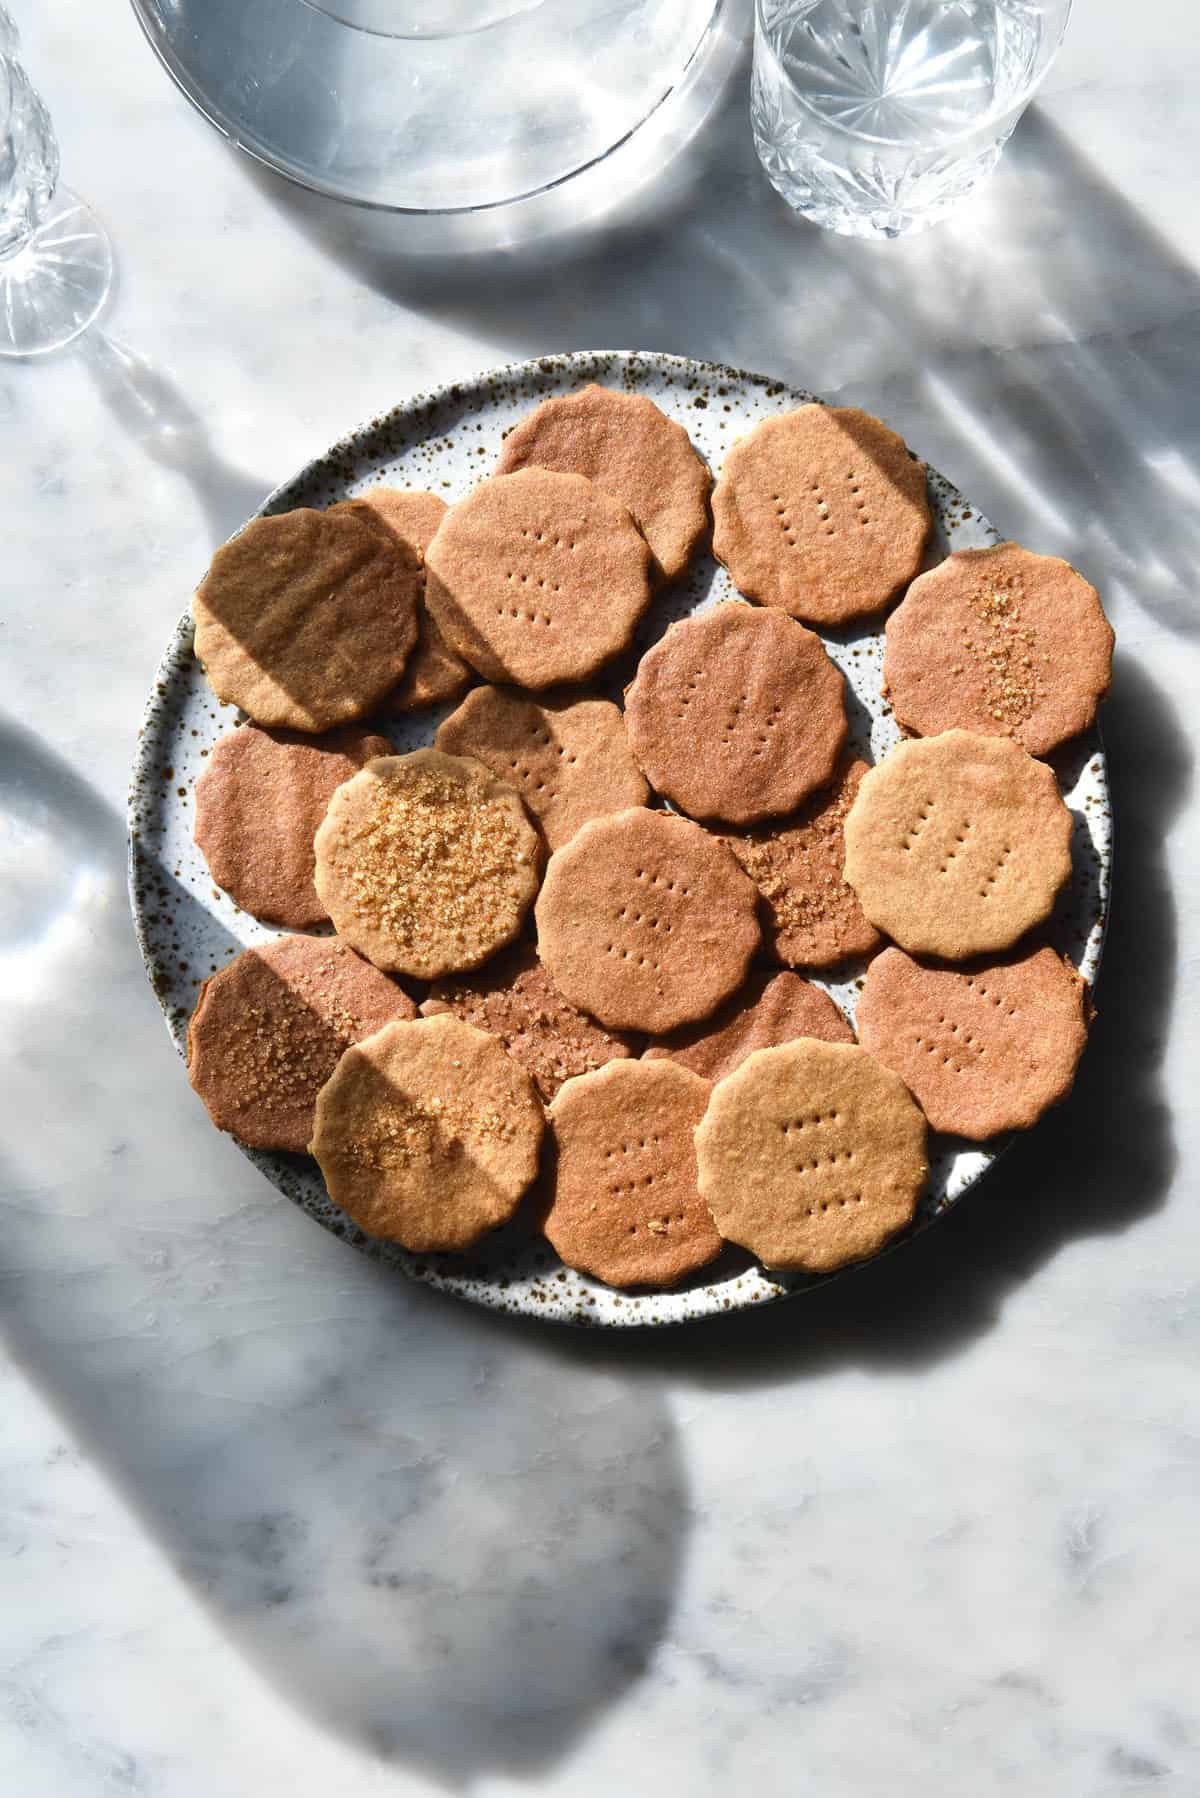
x=1046, y=335
x=147, y=405
x=430, y=1537
x=1080, y=1172
x=652, y=168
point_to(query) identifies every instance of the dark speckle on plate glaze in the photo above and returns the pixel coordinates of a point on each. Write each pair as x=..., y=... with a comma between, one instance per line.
x=186, y=928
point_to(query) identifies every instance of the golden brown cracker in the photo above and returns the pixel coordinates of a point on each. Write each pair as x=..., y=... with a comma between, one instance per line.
x=624, y=1205
x=983, y=1049
x=812, y=918
x=538, y=578
x=822, y=512
x=811, y=1155
x=1000, y=641
x=433, y=673
x=646, y=921
x=770, y=1009
x=737, y=713
x=428, y=1134
x=306, y=619
x=958, y=844
x=408, y=512
x=625, y=444
x=269, y=1028
x=426, y=863
x=568, y=758
x=259, y=802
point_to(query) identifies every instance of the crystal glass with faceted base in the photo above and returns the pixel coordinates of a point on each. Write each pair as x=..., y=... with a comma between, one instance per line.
x=55, y=258
x=877, y=117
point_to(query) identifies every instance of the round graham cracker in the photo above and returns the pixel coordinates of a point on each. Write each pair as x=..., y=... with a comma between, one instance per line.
x=306, y=619
x=770, y=1009
x=958, y=844
x=428, y=1134
x=983, y=1049
x=569, y=759
x=812, y=917
x=514, y=998
x=811, y=1155
x=624, y=443
x=426, y=863
x=259, y=803
x=433, y=673
x=646, y=921
x=538, y=578
x=822, y=512
x=624, y=1204
x=1000, y=641
x=737, y=713
x=268, y=1030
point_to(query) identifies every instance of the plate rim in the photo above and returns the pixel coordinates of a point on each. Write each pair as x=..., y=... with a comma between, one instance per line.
x=496, y=1298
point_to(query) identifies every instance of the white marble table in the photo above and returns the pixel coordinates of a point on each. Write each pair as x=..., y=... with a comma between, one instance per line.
x=271, y=1522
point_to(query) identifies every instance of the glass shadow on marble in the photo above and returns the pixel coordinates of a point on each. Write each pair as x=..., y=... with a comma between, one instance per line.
x=150, y=408
x=432, y=1539
x=279, y=96
x=1085, y=444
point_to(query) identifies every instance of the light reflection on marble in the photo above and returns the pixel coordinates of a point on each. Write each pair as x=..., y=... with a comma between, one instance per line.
x=270, y=1521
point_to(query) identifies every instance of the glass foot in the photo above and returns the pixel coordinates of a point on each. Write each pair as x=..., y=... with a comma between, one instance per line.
x=53, y=287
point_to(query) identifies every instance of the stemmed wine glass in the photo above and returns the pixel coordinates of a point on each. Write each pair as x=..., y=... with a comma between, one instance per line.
x=55, y=259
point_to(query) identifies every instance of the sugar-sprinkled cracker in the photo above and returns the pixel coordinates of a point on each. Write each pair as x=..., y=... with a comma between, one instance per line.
x=428, y=1134
x=427, y=863
x=268, y=1029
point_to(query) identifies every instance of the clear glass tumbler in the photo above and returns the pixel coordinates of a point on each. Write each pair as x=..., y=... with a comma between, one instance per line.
x=55, y=259
x=877, y=117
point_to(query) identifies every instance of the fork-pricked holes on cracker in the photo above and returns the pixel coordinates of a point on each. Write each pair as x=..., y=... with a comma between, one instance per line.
x=737, y=714
x=811, y=1155
x=646, y=921
x=958, y=844
x=985, y=1048
x=628, y=446
x=822, y=512
x=538, y=578
x=624, y=1204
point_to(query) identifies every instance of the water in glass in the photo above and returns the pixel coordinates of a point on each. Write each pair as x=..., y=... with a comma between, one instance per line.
x=874, y=117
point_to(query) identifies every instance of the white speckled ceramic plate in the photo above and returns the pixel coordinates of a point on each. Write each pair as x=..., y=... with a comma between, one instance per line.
x=446, y=441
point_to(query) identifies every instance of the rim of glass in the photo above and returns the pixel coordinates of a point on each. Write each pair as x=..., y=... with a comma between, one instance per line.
x=989, y=121
x=341, y=12
x=261, y=152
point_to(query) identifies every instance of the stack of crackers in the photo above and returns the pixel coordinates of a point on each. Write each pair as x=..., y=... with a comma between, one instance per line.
x=563, y=968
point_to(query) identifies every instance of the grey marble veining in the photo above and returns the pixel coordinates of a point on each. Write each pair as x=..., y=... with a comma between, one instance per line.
x=273, y=1521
